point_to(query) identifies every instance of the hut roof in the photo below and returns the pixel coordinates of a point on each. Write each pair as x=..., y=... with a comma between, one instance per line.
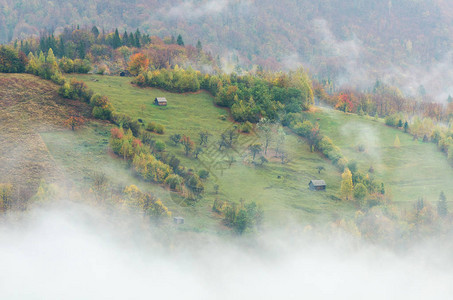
x=318, y=182
x=161, y=99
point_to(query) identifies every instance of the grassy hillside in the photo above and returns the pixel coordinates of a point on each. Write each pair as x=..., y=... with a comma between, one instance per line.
x=35, y=145
x=413, y=170
x=282, y=189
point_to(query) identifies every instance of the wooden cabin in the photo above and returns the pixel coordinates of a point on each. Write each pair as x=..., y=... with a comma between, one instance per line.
x=160, y=101
x=178, y=220
x=317, y=185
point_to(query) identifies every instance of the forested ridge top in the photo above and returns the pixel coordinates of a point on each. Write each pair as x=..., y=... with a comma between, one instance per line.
x=261, y=29
x=354, y=41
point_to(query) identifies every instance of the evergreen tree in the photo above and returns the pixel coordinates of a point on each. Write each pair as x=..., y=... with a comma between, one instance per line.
x=95, y=31
x=442, y=209
x=42, y=44
x=179, y=41
x=61, y=47
x=131, y=40
x=406, y=126
x=137, y=39
x=199, y=47
x=125, y=39
x=116, y=40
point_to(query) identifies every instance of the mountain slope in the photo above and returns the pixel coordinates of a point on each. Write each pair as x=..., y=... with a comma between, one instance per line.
x=28, y=107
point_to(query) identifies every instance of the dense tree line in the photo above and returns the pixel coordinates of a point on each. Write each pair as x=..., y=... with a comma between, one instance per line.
x=250, y=97
x=84, y=49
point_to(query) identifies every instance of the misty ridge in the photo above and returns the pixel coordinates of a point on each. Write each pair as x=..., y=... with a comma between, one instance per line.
x=352, y=43
x=76, y=251
x=226, y=149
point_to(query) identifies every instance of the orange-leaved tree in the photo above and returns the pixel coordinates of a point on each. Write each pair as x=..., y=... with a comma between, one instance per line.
x=138, y=63
x=74, y=122
x=187, y=143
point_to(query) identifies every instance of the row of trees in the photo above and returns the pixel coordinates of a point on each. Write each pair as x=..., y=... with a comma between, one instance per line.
x=78, y=43
x=250, y=97
x=152, y=164
x=109, y=52
x=383, y=100
x=427, y=129
x=175, y=80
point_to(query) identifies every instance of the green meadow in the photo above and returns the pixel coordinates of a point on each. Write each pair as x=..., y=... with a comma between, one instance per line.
x=415, y=169
x=281, y=189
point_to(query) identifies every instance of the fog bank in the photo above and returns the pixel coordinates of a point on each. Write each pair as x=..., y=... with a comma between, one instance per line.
x=76, y=252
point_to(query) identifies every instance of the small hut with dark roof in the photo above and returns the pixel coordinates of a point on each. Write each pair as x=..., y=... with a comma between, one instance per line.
x=317, y=185
x=160, y=101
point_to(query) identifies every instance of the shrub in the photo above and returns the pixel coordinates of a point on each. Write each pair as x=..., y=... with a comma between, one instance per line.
x=203, y=174
x=392, y=120
x=66, y=65
x=159, y=146
x=151, y=126
x=159, y=129
x=82, y=66
x=147, y=138
x=75, y=89
x=246, y=127
x=195, y=185
x=175, y=182
x=57, y=78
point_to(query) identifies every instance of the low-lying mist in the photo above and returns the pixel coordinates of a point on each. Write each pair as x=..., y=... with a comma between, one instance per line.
x=72, y=251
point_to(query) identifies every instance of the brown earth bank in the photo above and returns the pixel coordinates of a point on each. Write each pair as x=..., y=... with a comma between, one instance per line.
x=29, y=106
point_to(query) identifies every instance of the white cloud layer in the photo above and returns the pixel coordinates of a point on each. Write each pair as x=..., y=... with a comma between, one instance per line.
x=74, y=252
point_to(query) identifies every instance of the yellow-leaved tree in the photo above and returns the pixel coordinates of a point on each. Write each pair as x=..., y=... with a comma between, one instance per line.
x=346, y=185
x=397, y=142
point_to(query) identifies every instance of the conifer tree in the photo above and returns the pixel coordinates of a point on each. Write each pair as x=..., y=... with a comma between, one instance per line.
x=125, y=38
x=199, y=47
x=137, y=39
x=179, y=41
x=116, y=40
x=95, y=31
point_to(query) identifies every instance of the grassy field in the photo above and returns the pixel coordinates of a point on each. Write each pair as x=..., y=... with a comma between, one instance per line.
x=282, y=189
x=38, y=146
x=413, y=170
